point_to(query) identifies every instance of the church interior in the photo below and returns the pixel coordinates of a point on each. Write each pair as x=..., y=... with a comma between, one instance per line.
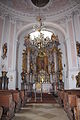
x=40, y=59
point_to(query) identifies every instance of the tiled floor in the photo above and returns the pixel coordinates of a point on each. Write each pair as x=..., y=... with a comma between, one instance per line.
x=41, y=112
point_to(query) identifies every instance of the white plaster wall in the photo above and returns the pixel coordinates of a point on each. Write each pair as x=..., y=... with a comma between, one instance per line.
x=72, y=55
x=21, y=47
x=77, y=25
x=12, y=56
x=5, y=39
x=2, y=23
x=11, y=52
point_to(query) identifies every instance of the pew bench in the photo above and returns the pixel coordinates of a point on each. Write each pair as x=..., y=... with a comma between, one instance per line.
x=6, y=101
x=77, y=108
x=26, y=96
x=71, y=105
x=17, y=99
x=71, y=101
x=61, y=97
x=1, y=112
x=22, y=95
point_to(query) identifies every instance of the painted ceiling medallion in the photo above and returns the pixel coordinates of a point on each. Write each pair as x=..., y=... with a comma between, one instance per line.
x=40, y=3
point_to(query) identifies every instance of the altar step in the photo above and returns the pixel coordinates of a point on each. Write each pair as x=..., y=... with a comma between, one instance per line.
x=46, y=98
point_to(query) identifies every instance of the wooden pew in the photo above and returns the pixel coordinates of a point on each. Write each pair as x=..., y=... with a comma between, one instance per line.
x=61, y=97
x=6, y=101
x=71, y=103
x=1, y=112
x=77, y=108
x=65, y=101
x=16, y=98
x=26, y=95
x=22, y=95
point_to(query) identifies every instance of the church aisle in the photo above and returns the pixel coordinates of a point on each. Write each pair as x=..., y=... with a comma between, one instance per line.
x=41, y=112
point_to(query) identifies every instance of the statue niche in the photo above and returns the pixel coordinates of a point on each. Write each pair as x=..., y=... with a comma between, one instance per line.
x=42, y=62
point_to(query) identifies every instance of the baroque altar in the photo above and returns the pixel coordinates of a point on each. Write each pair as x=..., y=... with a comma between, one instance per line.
x=42, y=64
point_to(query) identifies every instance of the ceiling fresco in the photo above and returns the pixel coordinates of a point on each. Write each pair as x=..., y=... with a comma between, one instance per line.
x=40, y=3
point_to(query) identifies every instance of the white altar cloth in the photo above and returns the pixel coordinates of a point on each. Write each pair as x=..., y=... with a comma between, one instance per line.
x=46, y=87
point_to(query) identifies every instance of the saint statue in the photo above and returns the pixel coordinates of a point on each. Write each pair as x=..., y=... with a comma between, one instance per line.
x=4, y=50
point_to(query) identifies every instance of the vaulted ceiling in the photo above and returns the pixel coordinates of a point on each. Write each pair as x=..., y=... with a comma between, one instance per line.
x=48, y=8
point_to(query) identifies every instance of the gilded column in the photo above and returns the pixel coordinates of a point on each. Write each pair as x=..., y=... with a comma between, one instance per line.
x=55, y=42
x=28, y=60
x=54, y=67
x=55, y=59
x=27, y=44
x=24, y=65
x=28, y=64
x=60, y=68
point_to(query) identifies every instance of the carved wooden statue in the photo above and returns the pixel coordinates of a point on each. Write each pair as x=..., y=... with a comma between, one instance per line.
x=78, y=80
x=23, y=76
x=53, y=37
x=27, y=40
x=4, y=50
x=24, y=59
x=60, y=68
x=78, y=48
